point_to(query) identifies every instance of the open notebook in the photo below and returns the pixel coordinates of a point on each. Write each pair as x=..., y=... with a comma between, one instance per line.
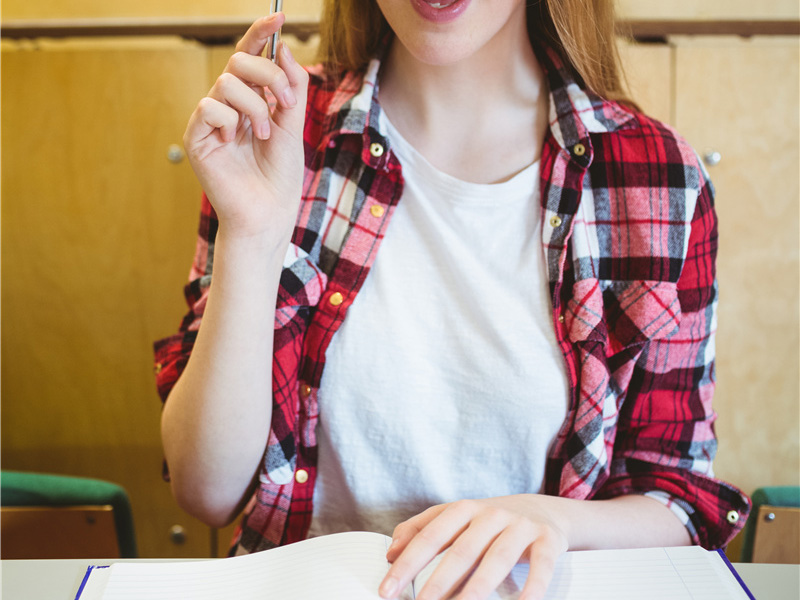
x=351, y=566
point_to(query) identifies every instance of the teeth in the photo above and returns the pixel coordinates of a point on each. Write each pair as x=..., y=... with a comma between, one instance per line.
x=441, y=4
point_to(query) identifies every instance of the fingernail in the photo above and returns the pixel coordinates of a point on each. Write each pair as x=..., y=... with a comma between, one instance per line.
x=264, y=130
x=388, y=588
x=288, y=97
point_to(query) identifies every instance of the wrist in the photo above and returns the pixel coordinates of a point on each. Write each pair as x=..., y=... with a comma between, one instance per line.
x=255, y=242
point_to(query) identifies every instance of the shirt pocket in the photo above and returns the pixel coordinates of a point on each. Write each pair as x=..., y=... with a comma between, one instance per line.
x=621, y=314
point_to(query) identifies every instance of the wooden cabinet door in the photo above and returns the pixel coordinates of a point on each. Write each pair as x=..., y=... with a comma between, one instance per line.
x=98, y=231
x=709, y=10
x=649, y=73
x=740, y=98
x=91, y=9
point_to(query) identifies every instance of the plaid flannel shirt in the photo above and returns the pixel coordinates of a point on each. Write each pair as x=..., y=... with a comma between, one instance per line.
x=630, y=240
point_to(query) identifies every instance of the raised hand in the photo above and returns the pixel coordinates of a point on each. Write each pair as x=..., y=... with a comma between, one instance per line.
x=247, y=155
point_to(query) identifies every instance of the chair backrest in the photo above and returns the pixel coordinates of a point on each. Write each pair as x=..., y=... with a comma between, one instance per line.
x=54, y=516
x=777, y=535
x=772, y=532
x=39, y=532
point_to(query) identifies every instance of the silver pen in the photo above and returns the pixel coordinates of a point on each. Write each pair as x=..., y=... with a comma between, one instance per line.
x=274, y=7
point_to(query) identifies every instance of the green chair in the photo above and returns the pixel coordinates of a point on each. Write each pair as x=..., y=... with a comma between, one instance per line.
x=55, y=516
x=772, y=531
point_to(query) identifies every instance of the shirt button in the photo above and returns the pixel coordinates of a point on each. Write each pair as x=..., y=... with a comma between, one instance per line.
x=555, y=221
x=301, y=476
x=733, y=517
x=305, y=390
x=579, y=149
x=336, y=299
x=376, y=149
x=377, y=210
x=158, y=368
x=560, y=318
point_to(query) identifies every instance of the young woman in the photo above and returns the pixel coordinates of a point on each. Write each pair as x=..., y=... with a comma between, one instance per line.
x=521, y=364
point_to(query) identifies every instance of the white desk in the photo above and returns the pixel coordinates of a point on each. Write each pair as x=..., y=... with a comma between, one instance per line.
x=59, y=579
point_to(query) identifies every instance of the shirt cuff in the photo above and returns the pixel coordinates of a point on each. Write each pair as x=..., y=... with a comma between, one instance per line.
x=679, y=508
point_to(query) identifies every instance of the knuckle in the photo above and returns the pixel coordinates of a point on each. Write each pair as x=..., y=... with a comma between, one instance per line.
x=463, y=507
x=479, y=585
x=462, y=553
x=495, y=514
x=225, y=81
x=302, y=76
x=278, y=80
x=525, y=527
x=427, y=535
x=400, y=529
x=205, y=105
x=505, y=554
x=432, y=590
x=236, y=60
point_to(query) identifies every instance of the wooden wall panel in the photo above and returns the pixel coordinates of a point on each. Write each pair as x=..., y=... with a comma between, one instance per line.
x=740, y=98
x=98, y=230
x=83, y=9
x=649, y=74
x=629, y=9
x=708, y=10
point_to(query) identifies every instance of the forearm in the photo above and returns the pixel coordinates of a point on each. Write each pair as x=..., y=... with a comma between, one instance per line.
x=623, y=522
x=216, y=421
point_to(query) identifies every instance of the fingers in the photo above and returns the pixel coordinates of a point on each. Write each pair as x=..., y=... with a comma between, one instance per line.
x=289, y=83
x=210, y=118
x=231, y=91
x=241, y=89
x=420, y=539
x=506, y=542
x=483, y=544
x=297, y=77
x=256, y=37
x=259, y=72
x=406, y=530
x=543, y=555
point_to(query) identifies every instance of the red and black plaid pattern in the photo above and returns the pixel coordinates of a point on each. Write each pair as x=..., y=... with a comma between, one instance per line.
x=630, y=242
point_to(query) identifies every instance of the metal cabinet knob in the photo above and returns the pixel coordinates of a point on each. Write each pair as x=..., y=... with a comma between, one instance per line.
x=175, y=154
x=712, y=158
x=177, y=534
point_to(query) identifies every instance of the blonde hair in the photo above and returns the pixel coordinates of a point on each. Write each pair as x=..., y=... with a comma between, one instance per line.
x=581, y=31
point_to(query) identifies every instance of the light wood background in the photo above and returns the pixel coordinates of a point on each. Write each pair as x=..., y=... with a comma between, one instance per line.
x=98, y=228
x=634, y=9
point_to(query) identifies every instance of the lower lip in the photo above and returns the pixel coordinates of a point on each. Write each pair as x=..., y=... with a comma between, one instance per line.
x=440, y=15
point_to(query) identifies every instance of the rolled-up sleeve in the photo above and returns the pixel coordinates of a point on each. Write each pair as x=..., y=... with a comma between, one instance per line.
x=172, y=353
x=665, y=441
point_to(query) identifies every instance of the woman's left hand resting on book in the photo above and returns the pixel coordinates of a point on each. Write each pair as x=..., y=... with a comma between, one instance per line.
x=486, y=538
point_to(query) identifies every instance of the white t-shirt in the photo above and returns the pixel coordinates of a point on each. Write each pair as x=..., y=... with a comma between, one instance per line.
x=445, y=380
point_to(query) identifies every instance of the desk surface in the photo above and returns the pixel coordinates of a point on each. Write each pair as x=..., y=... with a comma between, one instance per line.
x=59, y=579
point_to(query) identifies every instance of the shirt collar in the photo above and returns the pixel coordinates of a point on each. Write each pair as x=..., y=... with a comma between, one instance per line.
x=575, y=112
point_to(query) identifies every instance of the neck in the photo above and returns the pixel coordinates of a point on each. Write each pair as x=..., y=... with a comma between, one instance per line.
x=481, y=119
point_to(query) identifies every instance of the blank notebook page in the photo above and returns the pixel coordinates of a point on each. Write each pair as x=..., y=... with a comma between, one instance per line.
x=349, y=565
x=652, y=574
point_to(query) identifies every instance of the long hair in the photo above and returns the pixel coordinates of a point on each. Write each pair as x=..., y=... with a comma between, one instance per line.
x=581, y=31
